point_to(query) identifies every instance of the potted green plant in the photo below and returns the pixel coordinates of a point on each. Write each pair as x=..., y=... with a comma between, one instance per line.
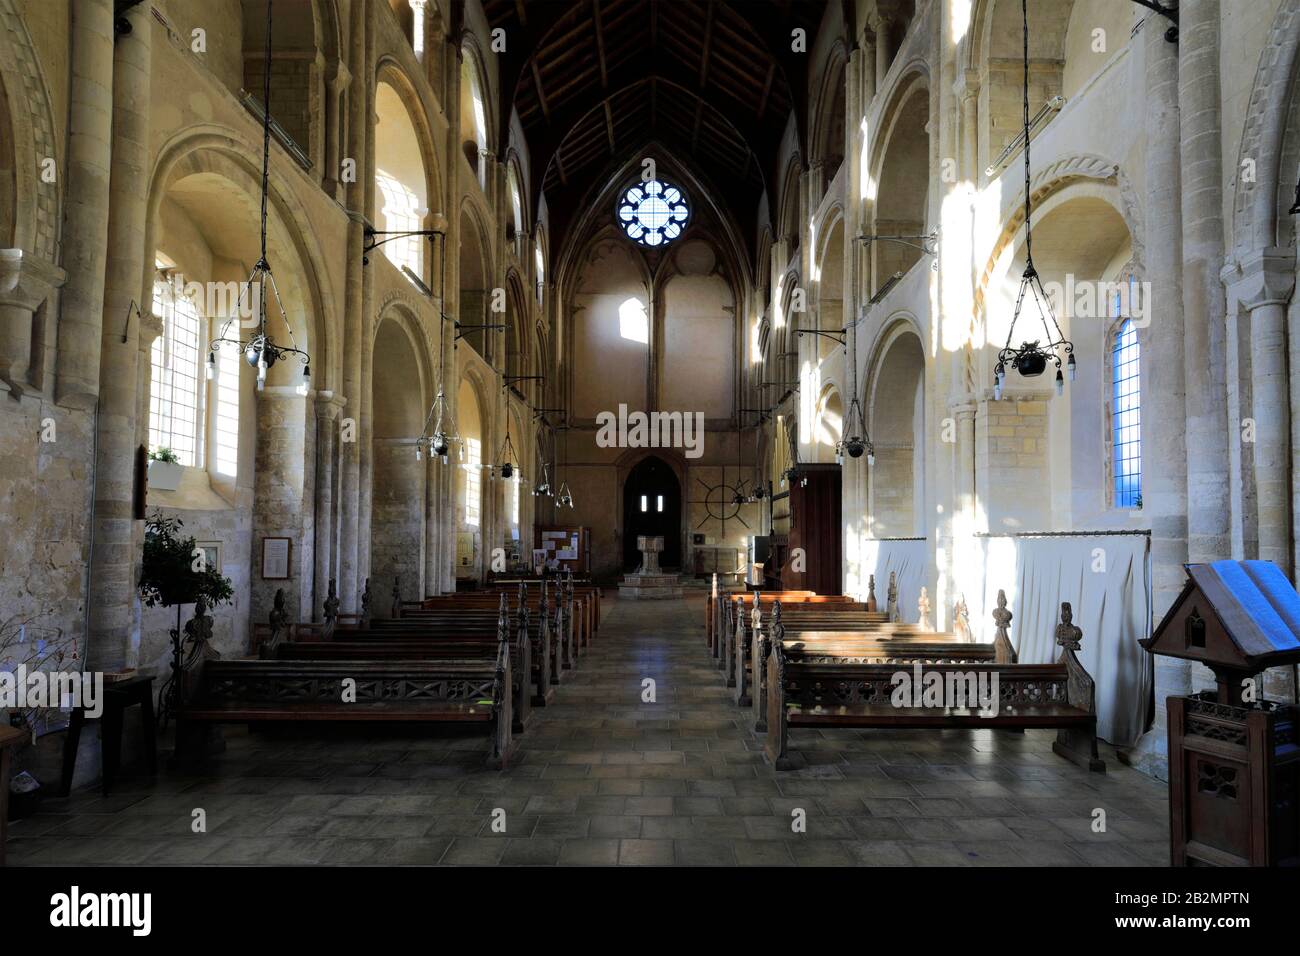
x=165, y=469
x=173, y=573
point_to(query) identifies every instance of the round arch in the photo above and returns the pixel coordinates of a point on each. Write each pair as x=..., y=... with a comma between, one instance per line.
x=474, y=275
x=209, y=148
x=900, y=172
x=894, y=399
x=31, y=210
x=828, y=134
x=1260, y=206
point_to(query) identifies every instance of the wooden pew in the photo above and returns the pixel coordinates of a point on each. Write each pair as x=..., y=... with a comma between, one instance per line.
x=880, y=643
x=751, y=646
x=736, y=647
x=844, y=694
x=444, y=691
x=715, y=606
x=474, y=624
x=401, y=640
x=581, y=587
x=573, y=619
x=560, y=652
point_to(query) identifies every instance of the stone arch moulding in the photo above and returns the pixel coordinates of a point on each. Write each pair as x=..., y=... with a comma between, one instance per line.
x=184, y=154
x=37, y=209
x=915, y=75
x=891, y=330
x=1256, y=204
x=403, y=311
x=834, y=65
x=1050, y=180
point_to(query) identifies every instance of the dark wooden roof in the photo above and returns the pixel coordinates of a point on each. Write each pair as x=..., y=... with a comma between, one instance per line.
x=714, y=81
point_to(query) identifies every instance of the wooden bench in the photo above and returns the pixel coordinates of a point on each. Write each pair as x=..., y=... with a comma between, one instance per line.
x=882, y=641
x=573, y=622
x=713, y=605
x=534, y=630
x=738, y=627
x=453, y=691
x=843, y=694
x=450, y=691
x=546, y=628
x=377, y=646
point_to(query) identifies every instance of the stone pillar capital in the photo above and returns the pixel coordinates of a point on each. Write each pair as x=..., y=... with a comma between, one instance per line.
x=1262, y=277
x=151, y=326
x=340, y=77
x=962, y=408
x=329, y=404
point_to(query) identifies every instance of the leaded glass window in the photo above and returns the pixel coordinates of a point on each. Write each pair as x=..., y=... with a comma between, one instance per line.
x=653, y=213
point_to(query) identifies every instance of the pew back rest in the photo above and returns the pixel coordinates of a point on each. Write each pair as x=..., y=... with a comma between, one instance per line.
x=469, y=682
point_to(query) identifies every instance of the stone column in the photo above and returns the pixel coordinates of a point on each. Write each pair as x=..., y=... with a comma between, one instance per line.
x=85, y=234
x=1208, y=530
x=335, y=87
x=280, y=495
x=868, y=73
x=1164, y=449
x=1259, y=289
x=880, y=25
x=328, y=406
x=115, y=554
x=353, y=325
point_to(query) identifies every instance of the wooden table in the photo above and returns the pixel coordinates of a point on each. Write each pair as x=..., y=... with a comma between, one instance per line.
x=9, y=737
x=118, y=696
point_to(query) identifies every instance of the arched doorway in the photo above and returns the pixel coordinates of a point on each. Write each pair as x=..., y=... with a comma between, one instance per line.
x=652, y=505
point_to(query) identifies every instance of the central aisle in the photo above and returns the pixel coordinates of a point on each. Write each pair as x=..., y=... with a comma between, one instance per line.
x=602, y=777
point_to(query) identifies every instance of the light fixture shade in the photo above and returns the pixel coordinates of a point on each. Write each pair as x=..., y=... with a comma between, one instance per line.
x=1031, y=364
x=507, y=470
x=439, y=444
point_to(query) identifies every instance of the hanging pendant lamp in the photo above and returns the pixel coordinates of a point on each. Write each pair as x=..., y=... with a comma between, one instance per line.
x=260, y=350
x=1033, y=355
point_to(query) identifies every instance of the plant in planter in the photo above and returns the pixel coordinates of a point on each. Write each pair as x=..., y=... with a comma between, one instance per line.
x=174, y=573
x=165, y=469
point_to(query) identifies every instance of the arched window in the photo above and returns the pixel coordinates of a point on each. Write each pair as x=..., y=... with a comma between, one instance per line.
x=539, y=259
x=174, y=395
x=516, y=201
x=399, y=212
x=401, y=180
x=653, y=213
x=1125, y=411
x=473, y=115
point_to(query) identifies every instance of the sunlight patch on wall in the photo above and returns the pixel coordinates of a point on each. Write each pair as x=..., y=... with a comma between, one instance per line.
x=867, y=185
x=961, y=10
x=633, y=323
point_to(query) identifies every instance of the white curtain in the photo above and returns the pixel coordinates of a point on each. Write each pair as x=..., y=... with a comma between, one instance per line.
x=1105, y=578
x=909, y=559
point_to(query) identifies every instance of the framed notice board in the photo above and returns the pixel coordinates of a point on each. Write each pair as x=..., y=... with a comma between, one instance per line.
x=569, y=546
